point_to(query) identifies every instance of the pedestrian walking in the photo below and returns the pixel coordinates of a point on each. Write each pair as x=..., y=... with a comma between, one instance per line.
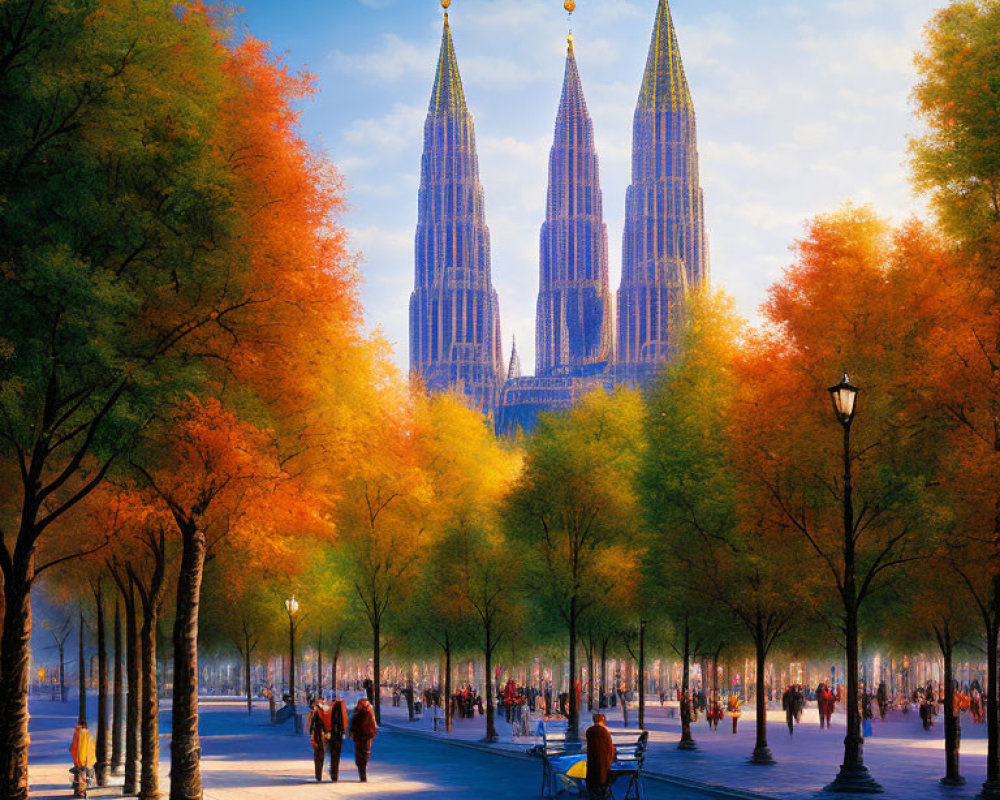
x=362, y=730
x=600, y=757
x=788, y=705
x=318, y=734
x=338, y=731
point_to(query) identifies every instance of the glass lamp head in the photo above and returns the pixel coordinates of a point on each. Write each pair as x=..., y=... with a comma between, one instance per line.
x=844, y=397
x=291, y=605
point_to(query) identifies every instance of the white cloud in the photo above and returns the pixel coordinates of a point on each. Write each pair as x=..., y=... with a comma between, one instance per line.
x=392, y=131
x=394, y=59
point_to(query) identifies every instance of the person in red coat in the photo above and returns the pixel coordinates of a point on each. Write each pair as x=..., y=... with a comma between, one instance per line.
x=362, y=730
x=338, y=730
x=600, y=757
x=317, y=736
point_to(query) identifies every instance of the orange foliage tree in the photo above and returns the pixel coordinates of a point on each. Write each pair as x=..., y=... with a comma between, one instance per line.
x=861, y=298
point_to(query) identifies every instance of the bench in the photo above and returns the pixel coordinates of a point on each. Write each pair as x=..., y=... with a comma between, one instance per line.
x=630, y=755
x=558, y=754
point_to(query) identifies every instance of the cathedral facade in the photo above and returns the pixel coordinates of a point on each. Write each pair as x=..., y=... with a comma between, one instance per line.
x=454, y=319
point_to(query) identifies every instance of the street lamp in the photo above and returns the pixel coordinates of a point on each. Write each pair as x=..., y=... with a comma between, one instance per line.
x=292, y=607
x=853, y=776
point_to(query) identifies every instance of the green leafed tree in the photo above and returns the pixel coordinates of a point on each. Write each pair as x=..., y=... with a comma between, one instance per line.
x=574, y=507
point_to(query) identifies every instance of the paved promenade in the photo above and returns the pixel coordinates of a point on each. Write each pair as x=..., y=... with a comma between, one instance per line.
x=247, y=758
x=904, y=758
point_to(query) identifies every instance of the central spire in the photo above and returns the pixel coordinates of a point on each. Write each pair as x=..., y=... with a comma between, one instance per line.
x=572, y=322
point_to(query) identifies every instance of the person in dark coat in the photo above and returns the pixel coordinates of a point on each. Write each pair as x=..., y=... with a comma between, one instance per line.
x=362, y=730
x=338, y=732
x=788, y=706
x=317, y=737
x=600, y=757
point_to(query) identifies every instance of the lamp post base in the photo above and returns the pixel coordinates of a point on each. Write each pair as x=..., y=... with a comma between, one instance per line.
x=990, y=790
x=956, y=781
x=687, y=744
x=854, y=780
x=762, y=757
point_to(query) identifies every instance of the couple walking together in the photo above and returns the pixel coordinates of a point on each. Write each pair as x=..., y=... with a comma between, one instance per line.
x=328, y=727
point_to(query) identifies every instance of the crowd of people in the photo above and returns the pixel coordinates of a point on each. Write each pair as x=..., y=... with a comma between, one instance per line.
x=328, y=724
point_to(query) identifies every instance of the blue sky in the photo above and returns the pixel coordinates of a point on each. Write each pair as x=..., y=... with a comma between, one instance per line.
x=801, y=105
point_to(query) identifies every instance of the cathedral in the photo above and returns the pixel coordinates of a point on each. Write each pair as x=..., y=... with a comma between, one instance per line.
x=455, y=339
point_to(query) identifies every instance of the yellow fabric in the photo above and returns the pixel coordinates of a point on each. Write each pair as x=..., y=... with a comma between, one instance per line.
x=578, y=770
x=82, y=748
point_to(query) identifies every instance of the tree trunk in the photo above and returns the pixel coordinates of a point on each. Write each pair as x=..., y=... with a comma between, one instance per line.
x=15, y=652
x=333, y=669
x=185, y=748
x=761, y=752
x=991, y=788
x=602, y=700
x=687, y=740
x=642, y=675
x=491, y=731
x=409, y=692
x=447, y=683
x=590, y=673
x=62, y=673
x=319, y=666
x=149, y=787
x=247, y=683
x=81, y=674
x=376, y=669
x=118, y=701
x=101, y=748
x=952, y=720
x=133, y=706
x=573, y=729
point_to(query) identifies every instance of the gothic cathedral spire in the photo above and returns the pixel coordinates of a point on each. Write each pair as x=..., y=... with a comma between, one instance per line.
x=454, y=315
x=573, y=315
x=664, y=249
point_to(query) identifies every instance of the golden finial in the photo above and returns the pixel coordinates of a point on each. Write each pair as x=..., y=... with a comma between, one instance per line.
x=570, y=6
x=445, y=4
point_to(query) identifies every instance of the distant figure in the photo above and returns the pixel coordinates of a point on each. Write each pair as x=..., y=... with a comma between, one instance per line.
x=269, y=694
x=317, y=736
x=600, y=757
x=369, y=688
x=82, y=751
x=882, y=696
x=735, y=706
x=362, y=730
x=788, y=706
x=338, y=732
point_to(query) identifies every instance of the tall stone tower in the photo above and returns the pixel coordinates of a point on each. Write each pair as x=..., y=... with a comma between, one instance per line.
x=454, y=315
x=573, y=318
x=664, y=249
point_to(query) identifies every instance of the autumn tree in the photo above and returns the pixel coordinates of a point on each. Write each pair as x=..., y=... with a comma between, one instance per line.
x=854, y=300
x=382, y=518
x=574, y=505
x=117, y=208
x=956, y=162
x=713, y=549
